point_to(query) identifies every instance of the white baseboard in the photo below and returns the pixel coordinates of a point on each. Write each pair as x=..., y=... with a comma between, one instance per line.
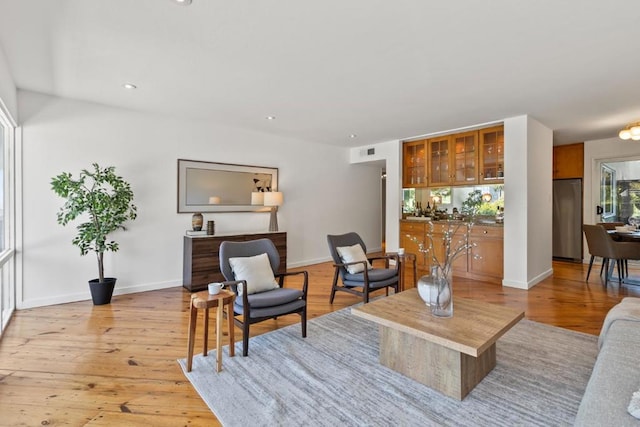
x=84, y=296
x=308, y=262
x=144, y=287
x=529, y=284
x=321, y=260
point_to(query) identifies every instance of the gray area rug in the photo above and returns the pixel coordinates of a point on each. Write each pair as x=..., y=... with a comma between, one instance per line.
x=333, y=378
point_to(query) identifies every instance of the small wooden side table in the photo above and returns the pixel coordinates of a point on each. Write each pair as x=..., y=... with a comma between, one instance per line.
x=205, y=301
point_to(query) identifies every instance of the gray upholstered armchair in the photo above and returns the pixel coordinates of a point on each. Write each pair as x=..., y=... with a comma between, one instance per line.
x=355, y=269
x=251, y=269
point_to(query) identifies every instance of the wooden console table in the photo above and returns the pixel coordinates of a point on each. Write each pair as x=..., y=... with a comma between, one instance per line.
x=201, y=264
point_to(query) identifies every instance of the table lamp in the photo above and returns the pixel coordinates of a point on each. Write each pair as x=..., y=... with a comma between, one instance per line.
x=257, y=198
x=273, y=199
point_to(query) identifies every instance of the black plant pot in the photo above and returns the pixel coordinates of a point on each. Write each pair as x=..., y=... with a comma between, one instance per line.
x=101, y=292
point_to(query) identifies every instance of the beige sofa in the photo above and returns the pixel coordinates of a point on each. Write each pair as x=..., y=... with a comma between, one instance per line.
x=616, y=373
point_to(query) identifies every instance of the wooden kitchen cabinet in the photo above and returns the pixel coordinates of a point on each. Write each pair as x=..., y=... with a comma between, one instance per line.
x=491, y=158
x=414, y=170
x=416, y=230
x=464, y=158
x=453, y=159
x=484, y=259
x=438, y=156
x=486, y=255
x=568, y=161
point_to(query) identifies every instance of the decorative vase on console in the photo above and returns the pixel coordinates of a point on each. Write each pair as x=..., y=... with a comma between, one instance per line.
x=196, y=221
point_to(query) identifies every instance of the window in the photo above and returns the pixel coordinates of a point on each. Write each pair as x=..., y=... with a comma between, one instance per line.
x=3, y=244
x=620, y=191
x=607, y=189
x=7, y=219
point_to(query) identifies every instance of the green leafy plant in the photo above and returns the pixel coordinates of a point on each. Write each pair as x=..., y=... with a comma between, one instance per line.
x=475, y=205
x=105, y=199
x=472, y=203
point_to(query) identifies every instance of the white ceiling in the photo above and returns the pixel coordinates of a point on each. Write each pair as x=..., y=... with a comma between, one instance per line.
x=381, y=69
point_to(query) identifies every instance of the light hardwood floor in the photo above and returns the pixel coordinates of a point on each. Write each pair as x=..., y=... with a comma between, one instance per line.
x=76, y=364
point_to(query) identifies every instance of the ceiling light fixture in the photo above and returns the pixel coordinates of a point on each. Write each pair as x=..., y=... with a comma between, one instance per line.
x=632, y=131
x=129, y=86
x=271, y=117
x=353, y=135
x=183, y=2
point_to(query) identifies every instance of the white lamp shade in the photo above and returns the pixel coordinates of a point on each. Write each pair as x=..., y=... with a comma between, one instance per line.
x=273, y=198
x=257, y=198
x=214, y=200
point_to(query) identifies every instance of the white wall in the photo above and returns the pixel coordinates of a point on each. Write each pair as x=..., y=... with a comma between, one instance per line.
x=323, y=193
x=528, y=202
x=540, y=206
x=7, y=88
x=386, y=155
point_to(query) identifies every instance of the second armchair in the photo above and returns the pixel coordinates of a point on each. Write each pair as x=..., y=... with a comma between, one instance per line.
x=355, y=269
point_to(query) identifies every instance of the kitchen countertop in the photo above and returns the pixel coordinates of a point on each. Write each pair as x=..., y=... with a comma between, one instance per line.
x=488, y=222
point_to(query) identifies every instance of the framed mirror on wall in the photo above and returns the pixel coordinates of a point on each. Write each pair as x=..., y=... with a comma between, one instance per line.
x=222, y=187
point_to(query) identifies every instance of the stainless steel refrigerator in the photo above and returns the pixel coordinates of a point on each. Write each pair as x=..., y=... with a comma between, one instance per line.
x=567, y=219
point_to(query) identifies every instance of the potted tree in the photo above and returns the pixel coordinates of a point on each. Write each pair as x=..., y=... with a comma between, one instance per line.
x=105, y=201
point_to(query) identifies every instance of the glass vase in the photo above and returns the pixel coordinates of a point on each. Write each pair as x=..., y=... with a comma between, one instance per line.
x=426, y=284
x=441, y=294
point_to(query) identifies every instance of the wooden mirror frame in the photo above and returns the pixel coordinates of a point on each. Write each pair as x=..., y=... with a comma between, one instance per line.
x=238, y=173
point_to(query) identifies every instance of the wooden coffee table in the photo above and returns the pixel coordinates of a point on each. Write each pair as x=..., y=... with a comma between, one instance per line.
x=451, y=355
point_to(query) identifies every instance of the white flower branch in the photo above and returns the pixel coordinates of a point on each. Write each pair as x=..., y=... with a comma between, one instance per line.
x=451, y=251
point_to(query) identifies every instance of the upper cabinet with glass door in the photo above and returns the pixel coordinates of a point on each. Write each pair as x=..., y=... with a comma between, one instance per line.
x=474, y=157
x=439, y=171
x=464, y=158
x=453, y=159
x=414, y=171
x=491, y=155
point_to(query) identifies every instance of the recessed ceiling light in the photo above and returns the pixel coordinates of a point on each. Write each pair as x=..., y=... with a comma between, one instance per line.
x=183, y=2
x=353, y=135
x=271, y=117
x=129, y=86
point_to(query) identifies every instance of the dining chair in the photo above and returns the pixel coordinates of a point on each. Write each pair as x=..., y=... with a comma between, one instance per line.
x=601, y=244
x=609, y=226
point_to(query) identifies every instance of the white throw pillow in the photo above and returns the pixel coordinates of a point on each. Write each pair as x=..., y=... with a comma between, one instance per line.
x=352, y=254
x=634, y=405
x=256, y=270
